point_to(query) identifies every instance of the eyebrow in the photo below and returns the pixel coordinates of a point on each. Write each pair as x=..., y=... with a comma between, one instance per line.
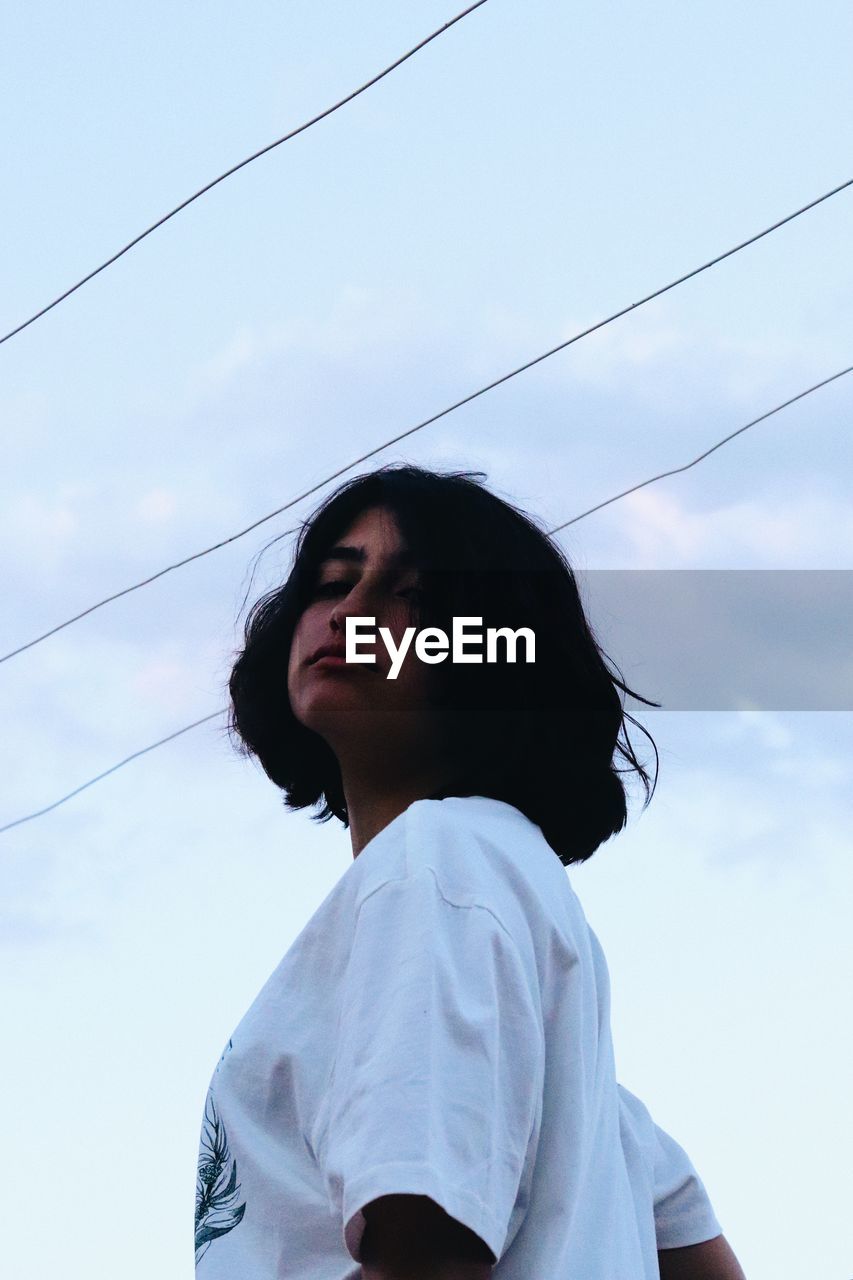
x=357, y=555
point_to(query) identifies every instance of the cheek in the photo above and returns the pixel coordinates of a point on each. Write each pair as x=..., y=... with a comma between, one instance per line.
x=421, y=679
x=297, y=649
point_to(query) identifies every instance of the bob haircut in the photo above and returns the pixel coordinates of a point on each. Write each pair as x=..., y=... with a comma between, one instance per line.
x=540, y=736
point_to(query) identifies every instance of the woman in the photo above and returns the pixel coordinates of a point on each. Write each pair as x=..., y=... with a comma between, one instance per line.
x=425, y=1087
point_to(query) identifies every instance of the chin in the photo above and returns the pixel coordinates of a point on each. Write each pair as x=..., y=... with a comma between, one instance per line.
x=323, y=708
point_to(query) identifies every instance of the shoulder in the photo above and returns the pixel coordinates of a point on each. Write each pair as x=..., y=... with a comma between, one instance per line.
x=487, y=853
x=484, y=853
x=473, y=845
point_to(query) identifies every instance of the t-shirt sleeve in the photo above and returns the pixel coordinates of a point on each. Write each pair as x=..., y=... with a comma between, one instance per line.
x=437, y=1080
x=682, y=1209
x=683, y=1212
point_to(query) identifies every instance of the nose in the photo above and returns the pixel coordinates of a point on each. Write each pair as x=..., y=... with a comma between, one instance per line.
x=355, y=604
x=366, y=599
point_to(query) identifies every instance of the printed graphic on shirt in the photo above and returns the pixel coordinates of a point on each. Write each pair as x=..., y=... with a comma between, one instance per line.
x=217, y=1188
x=230, y=1045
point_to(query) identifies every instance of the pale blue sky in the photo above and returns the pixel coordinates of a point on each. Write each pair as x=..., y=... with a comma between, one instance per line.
x=532, y=170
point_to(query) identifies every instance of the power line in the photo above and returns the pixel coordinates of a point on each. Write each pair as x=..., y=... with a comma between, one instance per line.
x=675, y=471
x=718, y=445
x=600, y=324
x=300, y=129
x=107, y=772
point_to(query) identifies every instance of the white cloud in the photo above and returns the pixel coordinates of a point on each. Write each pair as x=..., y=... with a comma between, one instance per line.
x=786, y=808
x=363, y=322
x=764, y=725
x=164, y=680
x=610, y=357
x=157, y=506
x=660, y=356
x=44, y=528
x=656, y=529
x=244, y=349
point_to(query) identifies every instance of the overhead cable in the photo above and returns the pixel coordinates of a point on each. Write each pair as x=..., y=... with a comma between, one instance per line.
x=600, y=324
x=675, y=470
x=761, y=418
x=300, y=129
x=107, y=772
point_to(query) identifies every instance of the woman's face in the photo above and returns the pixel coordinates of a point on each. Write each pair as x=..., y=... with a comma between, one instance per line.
x=353, y=704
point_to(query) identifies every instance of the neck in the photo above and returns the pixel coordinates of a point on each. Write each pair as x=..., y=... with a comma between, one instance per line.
x=374, y=799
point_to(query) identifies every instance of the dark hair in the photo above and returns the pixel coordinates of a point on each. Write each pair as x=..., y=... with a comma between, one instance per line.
x=540, y=736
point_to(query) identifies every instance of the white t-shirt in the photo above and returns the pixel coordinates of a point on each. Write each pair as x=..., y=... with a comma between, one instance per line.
x=440, y=1027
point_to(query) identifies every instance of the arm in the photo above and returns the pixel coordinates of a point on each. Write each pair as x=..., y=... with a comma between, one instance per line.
x=412, y=1238
x=710, y=1260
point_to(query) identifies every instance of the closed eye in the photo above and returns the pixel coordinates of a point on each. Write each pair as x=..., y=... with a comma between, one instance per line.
x=330, y=588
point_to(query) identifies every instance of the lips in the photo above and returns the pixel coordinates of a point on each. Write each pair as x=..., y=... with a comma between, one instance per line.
x=328, y=651
x=332, y=650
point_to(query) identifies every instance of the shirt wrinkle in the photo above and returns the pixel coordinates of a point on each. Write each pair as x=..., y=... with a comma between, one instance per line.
x=418, y=1051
